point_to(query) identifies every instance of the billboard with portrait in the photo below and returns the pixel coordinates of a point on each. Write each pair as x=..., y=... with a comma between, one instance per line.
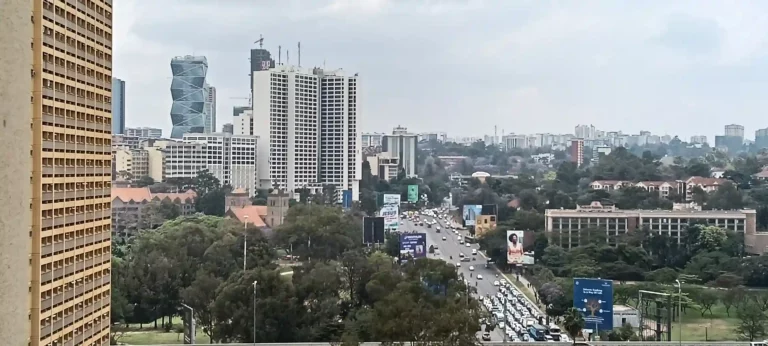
x=594, y=299
x=413, y=245
x=470, y=214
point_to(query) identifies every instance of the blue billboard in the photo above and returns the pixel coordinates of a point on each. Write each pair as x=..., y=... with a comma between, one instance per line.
x=346, y=199
x=412, y=245
x=594, y=298
x=470, y=214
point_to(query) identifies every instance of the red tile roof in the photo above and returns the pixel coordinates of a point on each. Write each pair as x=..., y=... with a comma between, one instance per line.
x=254, y=214
x=705, y=181
x=136, y=194
x=183, y=196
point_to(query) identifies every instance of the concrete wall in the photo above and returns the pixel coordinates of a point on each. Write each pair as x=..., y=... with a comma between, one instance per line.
x=16, y=168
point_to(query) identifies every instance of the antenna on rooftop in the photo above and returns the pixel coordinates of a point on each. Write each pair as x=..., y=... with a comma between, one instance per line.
x=279, y=55
x=287, y=57
x=299, y=53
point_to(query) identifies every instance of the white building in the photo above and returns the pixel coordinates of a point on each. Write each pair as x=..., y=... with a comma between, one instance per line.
x=698, y=139
x=402, y=145
x=144, y=132
x=371, y=139
x=242, y=123
x=308, y=121
x=384, y=166
x=230, y=158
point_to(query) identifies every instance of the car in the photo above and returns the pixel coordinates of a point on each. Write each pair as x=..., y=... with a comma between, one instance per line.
x=465, y=259
x=486, y=336
x=458, y=238
x=474, y=251
x=479, y=277
x=462, y=241
x=444, y=238
x=458, y=264
x=461, y=255
x=471, y=268
x=470, y=245
x=495, y=283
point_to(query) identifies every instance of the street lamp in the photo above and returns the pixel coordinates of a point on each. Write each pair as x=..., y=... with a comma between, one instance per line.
x=254, y=311
x=245, y=243
x=680, y=310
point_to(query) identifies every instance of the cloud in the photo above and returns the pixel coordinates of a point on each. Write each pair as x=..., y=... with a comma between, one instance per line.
x=463, y=66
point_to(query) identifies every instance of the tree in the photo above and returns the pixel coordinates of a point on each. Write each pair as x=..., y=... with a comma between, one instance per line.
x=705, y=298
x=144, y=181
x=155, y=213
x=573, y=322
x=201, y=296
x=752, y=321
x=732, y=297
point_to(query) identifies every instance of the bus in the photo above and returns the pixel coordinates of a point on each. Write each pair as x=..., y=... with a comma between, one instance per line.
x=538, y=332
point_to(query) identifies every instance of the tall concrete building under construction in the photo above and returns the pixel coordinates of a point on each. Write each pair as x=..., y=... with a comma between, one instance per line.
x=70, y=174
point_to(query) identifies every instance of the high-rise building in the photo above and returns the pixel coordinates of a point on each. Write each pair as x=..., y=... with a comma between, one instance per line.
x=242, y=123
x=761, y=138
x=699, y=139
x=144, y=132
x=734, y=130
x=402, y=145
x=309, y=120
x=210, y=109
x=190, y=96
x=261, y=60
x=370, y=139
x=16, y=169
x=577, y=151
x=228, y=128
x=71, y=128
x=118, y=106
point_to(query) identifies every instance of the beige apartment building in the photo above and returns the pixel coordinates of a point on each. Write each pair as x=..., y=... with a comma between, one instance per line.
x=564, y=226
x=71, y=172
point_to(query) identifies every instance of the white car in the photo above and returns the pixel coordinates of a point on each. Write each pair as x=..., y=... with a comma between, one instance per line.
x=444, y=238
x=469, y=245
x=458, y=238
x=462, y=241
x=471, y=268
x=458, y=264
x=479, y=277
x=495, y=283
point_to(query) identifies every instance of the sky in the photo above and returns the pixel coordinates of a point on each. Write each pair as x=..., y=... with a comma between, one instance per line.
x=462, y=66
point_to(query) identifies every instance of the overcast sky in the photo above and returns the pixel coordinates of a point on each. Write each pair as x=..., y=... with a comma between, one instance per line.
x=463, y=66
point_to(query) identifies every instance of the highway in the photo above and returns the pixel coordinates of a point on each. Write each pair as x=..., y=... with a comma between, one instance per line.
x=450, y=247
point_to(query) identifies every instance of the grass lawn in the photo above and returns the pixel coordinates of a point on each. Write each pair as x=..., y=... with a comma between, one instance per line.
x=717, y=327
x=134, y=335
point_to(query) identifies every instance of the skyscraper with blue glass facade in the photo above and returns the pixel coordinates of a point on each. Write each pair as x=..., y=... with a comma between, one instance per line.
x=191, y=109
x=118, y=106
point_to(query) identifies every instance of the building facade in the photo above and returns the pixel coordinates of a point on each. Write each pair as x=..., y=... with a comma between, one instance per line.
x=402, y=145
x=210, y=109
x=371, y=139
x=189, y=94
x=71, y=127
x=230, y=158
x=118, y=106
x=569, y=228
x=16, y=217
x=308, y=120
x=577, y=151
x=144, y=132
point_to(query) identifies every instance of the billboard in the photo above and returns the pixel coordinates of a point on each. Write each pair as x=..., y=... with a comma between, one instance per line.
x=390, y=213
x=594, y=298
x=346, y=199
x=413, y=193
x=470, y=214
x=413, y=245
x=373, y=230
x=188, y=321
x=391, y=198
x=515, y=248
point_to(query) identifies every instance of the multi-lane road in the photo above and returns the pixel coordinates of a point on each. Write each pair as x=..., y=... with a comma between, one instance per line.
x=450, y=250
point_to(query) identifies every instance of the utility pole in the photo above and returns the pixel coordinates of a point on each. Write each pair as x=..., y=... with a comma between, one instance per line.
x=245, y=243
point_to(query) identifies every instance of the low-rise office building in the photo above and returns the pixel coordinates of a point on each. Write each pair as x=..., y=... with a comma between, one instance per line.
x=565, y=226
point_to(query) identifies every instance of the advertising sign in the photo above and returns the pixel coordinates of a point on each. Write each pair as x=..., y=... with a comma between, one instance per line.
x=346, y=199
x=515, y=252
x=390, y=213
x=413, y=245
x=470, y=214
x=373, y=230
x=390, y=199
x=594, y=298
x=413, y=193
x=188, y=321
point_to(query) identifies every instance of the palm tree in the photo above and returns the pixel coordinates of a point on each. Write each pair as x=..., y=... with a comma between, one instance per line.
x=573, y=322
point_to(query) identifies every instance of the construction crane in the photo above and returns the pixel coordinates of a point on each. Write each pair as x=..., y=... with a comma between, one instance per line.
x=260, y=41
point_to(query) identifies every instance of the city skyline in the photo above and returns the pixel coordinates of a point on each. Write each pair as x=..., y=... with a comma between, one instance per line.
x=653, y=67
